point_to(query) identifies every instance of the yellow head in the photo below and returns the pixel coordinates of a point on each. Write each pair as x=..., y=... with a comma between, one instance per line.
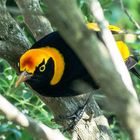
x=30, y=60
x=35, y=62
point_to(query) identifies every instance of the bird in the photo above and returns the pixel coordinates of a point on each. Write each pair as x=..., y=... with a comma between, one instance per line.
x=51, y=67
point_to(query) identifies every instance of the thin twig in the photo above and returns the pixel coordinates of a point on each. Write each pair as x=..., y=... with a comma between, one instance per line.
x=129, y=15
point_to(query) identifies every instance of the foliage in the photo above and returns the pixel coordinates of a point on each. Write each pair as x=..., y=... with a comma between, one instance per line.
x=27, y=102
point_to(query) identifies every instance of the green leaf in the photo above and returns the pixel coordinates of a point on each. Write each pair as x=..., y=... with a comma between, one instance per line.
x=20, y=18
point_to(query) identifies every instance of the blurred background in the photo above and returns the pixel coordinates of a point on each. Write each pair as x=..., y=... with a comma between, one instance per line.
x=27, y=102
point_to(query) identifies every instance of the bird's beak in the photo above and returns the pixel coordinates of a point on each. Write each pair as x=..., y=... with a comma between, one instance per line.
x=23, y=77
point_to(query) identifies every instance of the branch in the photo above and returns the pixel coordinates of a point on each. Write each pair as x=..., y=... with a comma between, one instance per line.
x=38, y=130
x=100, y=66
x=129, y=16
x=61, y=107
x=13, y=39
x=111, y=46
x=34, y=18
x=131, y=19
x=13, y=43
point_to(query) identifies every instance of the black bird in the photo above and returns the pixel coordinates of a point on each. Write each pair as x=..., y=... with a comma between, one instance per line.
x=50, y=67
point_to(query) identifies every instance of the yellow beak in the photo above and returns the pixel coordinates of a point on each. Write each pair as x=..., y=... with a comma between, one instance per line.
x=22, y=78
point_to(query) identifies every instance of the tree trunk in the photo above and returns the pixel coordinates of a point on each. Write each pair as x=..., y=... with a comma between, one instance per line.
x=93, y=125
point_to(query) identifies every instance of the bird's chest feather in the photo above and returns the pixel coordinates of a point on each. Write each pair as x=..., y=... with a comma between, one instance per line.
x=73, y=70
x=63, y=68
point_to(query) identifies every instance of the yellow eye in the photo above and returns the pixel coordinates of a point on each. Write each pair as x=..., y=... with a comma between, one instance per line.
x=42, y=68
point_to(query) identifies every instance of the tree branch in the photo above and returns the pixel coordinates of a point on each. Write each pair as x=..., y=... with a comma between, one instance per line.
x=129, y=16
x=66, y=106
x=97, y=60
x=13, y=43
x=61, y=107
x=13, y=39
x=34, y=18
x=37, y=129
x=112, y=47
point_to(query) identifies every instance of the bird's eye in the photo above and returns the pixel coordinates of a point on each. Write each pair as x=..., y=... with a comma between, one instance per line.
x=42, y=68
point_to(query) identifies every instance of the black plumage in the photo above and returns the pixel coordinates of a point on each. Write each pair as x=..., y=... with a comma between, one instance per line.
x=74, y=70
x=40, y=79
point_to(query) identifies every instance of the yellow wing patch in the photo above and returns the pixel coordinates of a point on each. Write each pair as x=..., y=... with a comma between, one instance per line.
x=115, y=29
x=95, y=27
x=124, y=50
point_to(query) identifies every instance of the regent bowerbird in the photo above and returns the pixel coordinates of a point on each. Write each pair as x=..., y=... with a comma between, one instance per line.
x=50, y=66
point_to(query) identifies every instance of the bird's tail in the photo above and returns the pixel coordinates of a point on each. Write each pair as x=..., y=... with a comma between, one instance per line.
x=135, y=72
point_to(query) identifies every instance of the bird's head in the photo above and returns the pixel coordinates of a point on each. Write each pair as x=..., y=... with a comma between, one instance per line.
x=41, y=65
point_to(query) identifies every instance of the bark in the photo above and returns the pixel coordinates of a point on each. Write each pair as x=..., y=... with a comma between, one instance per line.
x=12, y=40
x=62, y=108
x=33, y=16
x=72, y=28
x=93, y=125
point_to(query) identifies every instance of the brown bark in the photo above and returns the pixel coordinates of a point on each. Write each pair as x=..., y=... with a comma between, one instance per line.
x=33, y=16
x=12, y=40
